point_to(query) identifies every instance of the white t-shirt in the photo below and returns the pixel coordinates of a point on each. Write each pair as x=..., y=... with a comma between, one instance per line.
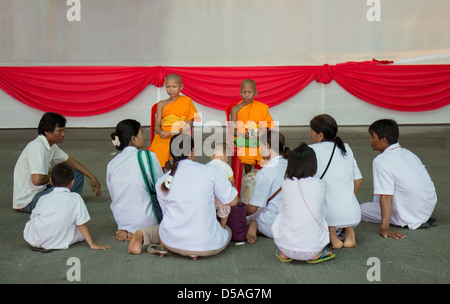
x=295, y=228
x=399, y=172
x=222, y=166
x=53, y=222
x=36, y=158
x=131, y=204
x=189, y=221
x=343, y=209
x=267, y=181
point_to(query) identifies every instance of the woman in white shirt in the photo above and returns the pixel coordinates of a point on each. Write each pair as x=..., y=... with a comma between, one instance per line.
x=131, y=205
x=262, y=208
x=300, y=229
x=186, y=194
x=337, y=167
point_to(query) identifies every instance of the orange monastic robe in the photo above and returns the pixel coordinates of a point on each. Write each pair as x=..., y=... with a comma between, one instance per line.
x=253, y=116
x=176, y=114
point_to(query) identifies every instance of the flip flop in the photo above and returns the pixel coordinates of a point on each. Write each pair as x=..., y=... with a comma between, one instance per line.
x=41, y=249
x=430, y=223
x=156, y=249
x=280, y=258
x=322, y=258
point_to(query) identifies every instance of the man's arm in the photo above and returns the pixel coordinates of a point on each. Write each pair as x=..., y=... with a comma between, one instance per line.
x=79, y=167
x=386, y=202
x=40, y=179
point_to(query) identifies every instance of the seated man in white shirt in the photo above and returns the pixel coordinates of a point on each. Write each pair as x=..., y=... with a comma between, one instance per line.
x=404, y=194
x=32, y=170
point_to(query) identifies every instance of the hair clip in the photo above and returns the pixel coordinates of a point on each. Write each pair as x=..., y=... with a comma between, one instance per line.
x=116, y=141
x=168, y=181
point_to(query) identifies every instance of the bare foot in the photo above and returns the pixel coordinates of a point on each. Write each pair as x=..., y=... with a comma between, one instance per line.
x=350, y=238
x=251, y=232
x=194, y=257
x=121, y=235
x=129, y=237
x=336, y=243
x=135, y=246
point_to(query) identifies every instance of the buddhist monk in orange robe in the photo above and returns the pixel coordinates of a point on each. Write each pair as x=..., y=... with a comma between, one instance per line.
x=250, y=116
x=174, y=115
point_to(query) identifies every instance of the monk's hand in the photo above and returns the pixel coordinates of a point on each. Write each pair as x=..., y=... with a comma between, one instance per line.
x=392, y=234
x=164, y=134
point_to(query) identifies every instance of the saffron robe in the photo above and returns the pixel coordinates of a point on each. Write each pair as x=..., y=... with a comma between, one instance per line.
x=175, y=115
x=254, y=116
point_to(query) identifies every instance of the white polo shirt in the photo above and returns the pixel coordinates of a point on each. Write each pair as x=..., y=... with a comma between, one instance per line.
x=131, y=204
x=223, y=166
x=36, y=158
x=343, y=209
x=53, y=223
x=400, y=173
x=267, y=181
x=190, y=221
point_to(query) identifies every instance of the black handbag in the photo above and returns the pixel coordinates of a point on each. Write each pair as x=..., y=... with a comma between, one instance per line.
x=150, y=186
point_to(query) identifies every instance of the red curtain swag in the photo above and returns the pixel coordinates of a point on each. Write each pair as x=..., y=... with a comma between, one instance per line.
x=93, y=90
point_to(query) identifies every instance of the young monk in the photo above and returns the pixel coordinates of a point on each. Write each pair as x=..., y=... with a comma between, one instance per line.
x=174, y=115
x=249, y=116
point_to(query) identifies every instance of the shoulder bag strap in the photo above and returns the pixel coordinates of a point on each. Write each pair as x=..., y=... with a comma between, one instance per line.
x=273, y=195
x=332, y=153
x=147, y=182
x=149, y=186
x=150, y=166
x=310, y=212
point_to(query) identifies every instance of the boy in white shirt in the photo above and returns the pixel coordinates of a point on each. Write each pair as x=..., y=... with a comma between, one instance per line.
x=219, y=159
x=404, y=192
x=59, y=219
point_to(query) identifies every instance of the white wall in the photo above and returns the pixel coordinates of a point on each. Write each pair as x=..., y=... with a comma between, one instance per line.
x=225, y=33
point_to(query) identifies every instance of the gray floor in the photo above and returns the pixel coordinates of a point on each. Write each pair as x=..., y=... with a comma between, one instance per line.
x=423, y=257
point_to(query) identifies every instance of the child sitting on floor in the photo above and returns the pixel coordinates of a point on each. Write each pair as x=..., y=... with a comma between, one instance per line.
x=59, y=219
x=219, y=159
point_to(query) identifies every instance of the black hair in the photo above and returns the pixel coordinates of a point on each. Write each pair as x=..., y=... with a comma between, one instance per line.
x=49, y=121
x=125, y=130
x=62, y=175
x=326, y=125
x=181, y=146
x=269, y=135
x=386, y=128
x=302, y=162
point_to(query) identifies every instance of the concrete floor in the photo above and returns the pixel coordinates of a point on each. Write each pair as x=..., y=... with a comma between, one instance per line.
x=422, y=257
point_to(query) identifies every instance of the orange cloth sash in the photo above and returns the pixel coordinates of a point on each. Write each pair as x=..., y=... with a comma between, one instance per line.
x=251, y=117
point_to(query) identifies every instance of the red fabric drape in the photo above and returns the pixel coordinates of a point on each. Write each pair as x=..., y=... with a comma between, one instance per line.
x=397, y=87
x=217, y=87
x=85, y=91
x=78, y=91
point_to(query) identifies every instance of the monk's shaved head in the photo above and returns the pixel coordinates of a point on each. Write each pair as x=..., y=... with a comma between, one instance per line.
x=249, y=82
x=174, y=77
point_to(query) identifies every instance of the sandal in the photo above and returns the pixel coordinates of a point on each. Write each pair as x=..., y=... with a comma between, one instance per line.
x=281, y=259
x=322, y=258
x=156, y=249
